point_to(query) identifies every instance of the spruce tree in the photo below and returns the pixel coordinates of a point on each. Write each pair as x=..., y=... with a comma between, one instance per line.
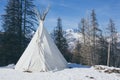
x=60, y=40
x=81, y=29
x=19, y=23
x=94, y=34
x=102, y=49
x=12, y=31
x=29, y=20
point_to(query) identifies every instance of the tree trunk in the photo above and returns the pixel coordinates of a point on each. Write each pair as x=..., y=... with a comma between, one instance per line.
x=108, y=58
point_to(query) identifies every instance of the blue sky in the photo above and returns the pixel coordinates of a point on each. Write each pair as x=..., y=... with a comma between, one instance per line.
x=71, y=11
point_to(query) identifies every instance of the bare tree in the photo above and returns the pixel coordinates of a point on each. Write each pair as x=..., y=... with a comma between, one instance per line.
x=112, y=46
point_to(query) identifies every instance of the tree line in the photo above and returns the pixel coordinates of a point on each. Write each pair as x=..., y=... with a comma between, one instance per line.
x=97, y=48
x=18, y=26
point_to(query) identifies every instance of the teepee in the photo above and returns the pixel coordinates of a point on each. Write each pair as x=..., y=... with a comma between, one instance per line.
x=41, y=54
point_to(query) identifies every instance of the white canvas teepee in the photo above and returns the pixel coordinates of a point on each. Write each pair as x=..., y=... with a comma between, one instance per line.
x=41, y=54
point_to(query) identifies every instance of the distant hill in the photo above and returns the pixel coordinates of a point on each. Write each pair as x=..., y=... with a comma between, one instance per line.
x=72, y=37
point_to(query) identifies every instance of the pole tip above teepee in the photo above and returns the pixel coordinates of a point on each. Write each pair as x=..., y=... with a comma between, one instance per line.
x=41, y=15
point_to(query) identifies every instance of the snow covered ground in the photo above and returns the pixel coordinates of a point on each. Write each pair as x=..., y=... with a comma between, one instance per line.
x=78, y=72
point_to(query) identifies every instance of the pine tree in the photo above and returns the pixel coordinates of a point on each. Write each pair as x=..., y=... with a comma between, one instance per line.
x=81, y=27
x=12, y=31
x=94, y=34
x=29, y=20
x=60, y=40
x=18, y=24
x=102, y=49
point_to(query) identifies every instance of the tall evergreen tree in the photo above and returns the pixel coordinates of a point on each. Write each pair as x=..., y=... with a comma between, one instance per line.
x=60, y=40
x=94, y=35
x=28, y=20
x=81, y=27
x=12, y=28
x=102, y=49
x=19, y=23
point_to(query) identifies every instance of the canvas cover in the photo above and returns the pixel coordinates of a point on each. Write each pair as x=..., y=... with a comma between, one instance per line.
x=41, y=54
